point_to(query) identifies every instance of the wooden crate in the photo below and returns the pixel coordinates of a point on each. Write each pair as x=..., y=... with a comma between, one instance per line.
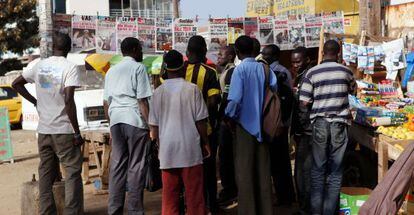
x=389, y=149
x=97, y=147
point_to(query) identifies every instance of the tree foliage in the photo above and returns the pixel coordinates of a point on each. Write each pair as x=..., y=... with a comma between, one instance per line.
x=18, y=25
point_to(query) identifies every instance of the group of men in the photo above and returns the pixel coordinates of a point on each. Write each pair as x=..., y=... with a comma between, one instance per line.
x=195, y=113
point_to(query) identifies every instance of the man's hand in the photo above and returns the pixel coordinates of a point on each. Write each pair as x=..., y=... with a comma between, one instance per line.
x=78, y=140
x=231, y=124
x=206, y=151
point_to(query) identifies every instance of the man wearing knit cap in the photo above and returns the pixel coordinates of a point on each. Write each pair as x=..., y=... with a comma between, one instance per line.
x=178, y=120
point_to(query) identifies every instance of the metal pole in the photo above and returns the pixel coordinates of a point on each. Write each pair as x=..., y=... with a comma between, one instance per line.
x=45, y=28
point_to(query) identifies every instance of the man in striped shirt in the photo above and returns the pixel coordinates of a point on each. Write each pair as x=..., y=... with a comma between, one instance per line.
x=326, y=87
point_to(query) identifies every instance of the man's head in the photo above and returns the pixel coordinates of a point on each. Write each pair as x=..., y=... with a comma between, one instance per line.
x=256, y=47
x=244, y=47
x=226, y=55
x=271, y=53
x=299, y=59
x=174, y=64
x=196, y=49
x=62, y=44
x=131, y=47
x=331, y=50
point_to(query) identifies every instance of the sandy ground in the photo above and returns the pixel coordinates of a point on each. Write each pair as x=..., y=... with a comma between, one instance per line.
x=26, y=162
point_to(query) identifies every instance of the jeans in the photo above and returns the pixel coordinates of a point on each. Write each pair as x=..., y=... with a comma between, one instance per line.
x=303, y=165
x=228, y=180
x=127, y=166
x=329, y=144
x=70, y=156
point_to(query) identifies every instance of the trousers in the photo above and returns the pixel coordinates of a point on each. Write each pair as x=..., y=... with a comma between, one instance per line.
x=55, y=148
x=127, y=167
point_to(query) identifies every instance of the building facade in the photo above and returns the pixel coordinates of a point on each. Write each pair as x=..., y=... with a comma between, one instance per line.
x=136, y=8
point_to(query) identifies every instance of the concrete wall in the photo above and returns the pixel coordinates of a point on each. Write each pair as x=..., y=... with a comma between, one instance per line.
x=89, y=7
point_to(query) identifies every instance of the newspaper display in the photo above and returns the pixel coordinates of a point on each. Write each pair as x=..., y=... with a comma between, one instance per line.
x=251, y=27
x=313, y=25
x=297, y=31
x=333, y=22
x=62, y=23
x=146, y=34
x=126, y=27
x=266, y=30
x=184, y=29
x=218, y=34
x=83, y=32
x=105, y=35
x=281, y=32
x=164, y=35
x=235, y=29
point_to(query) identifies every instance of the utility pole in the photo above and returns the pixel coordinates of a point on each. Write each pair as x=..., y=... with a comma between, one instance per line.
x=44, y=13
x=176, y=8
x=370, y=16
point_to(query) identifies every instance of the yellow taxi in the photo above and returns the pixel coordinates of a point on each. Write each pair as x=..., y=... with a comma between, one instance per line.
x=13, y=101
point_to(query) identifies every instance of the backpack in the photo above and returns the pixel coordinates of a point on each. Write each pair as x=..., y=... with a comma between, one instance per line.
x=272, y=117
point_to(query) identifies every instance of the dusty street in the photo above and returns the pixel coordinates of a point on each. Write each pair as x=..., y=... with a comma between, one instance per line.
x=26, y=160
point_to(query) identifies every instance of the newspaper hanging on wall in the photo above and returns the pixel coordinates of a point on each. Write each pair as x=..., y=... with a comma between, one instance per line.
x=266, y=31
x=251, y=27
x=125, y=27
x=297, y=31
x=235, y=29
x=106, y=35
x=83, y=32
x=146, y=34
x=218, y=34
x=313, y=25
x=281, y=32
x=184, y=29
x=333, y=22
x=164, y=34
x=62, y=23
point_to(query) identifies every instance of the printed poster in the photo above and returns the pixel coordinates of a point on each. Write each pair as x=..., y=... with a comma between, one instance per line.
x=281, y=32
x=184, y=29
x=235, y=29
x=313, y=25
x=218, y=34
x=297, y=31
x=106, y=35
x=266, y=36
x=164, y=35
x=146, y=34
x=126, y=27
x=84, y=31
x=62, y=23
x=6, y=148
x=333, y=22
x=251, y=27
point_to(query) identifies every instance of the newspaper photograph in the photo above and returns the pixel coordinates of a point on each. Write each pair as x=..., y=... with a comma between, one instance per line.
x=281, y=32
x=106, y=35
x=218, y=30
x=146, y=34
x=313, y=25
x=184, y=29
x=235, y=29
x=297, y=31
x=83, y=33
x=126, y=27
x=164, y=35
x=266, y=30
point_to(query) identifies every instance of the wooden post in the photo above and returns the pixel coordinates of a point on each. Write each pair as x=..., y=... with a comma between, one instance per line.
x=176, y=9
x=85, y=164
x=370, y=16
x=321, y=43
x=382, y=159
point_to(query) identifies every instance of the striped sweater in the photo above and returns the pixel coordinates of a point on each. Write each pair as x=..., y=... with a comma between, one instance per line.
x=326, y=86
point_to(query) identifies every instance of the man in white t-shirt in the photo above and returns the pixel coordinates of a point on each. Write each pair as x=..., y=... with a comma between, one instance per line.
x=178, y=120
x=59, y=137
